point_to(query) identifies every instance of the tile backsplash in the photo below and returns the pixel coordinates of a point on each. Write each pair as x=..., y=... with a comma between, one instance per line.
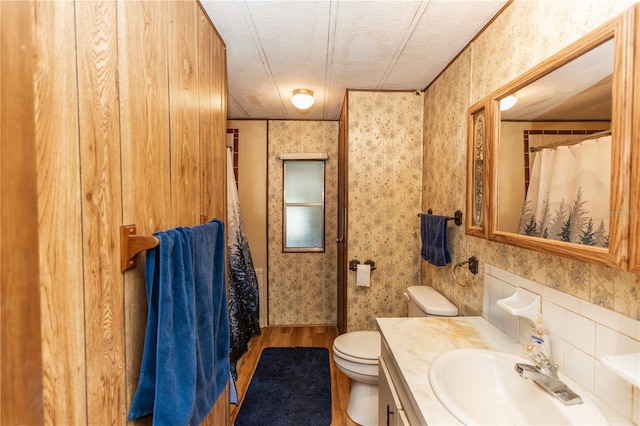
x=581, y=333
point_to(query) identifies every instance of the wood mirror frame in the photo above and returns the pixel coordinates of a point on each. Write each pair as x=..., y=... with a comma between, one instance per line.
x=477, y=175
x=621, y=30
x=634, y=230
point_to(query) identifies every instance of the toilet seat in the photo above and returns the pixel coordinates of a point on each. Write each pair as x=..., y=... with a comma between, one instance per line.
x=361, y=347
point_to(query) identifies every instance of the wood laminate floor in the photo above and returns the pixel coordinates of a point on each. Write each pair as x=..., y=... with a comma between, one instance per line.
x=318, y=336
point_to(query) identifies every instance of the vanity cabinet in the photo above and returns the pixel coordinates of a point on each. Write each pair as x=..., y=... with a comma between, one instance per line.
x=389, y=406
x=394, y=405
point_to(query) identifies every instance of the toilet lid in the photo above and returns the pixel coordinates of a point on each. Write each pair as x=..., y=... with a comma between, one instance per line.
x=363, y=345
x=431, y=302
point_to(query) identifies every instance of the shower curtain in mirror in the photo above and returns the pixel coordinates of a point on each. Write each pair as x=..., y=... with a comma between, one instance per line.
x=243, y=284
x=568, y=194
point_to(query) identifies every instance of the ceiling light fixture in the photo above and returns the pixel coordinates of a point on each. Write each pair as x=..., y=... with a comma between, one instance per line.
x=302, y=98
x=508, y=102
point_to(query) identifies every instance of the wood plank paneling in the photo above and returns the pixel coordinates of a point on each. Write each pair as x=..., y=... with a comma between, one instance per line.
x=144, y=112
x=205, y=35
x=106, y=138
x=161, y=141
x=145, y=151
x=219, y=165
x=212, y=159
x=101, y=210
x=21, y=367
x=219, y=135
x=59, y=214
x=183, y=95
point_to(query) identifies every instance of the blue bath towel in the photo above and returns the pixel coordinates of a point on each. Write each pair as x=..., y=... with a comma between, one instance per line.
x=212, y=341
x=433, y=230
x=185, y=364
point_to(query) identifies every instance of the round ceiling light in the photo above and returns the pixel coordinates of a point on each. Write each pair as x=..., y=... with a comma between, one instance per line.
x=302, y=98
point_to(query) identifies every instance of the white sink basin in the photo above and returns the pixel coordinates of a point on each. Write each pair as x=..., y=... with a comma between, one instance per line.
x=481, y=387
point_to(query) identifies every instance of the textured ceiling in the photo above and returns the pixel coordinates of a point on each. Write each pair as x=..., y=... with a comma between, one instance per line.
x=328, y=46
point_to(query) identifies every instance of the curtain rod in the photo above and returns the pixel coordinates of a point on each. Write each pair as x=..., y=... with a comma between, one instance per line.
x=571, y=141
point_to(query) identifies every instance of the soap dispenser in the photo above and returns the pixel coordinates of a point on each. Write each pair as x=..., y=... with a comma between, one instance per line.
x=527, y=305
x=539, y=343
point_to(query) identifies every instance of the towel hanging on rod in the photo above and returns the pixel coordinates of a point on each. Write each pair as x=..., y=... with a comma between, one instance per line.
x=186, y=345
x=433, y=233
x=457, y=217
x=131, y=244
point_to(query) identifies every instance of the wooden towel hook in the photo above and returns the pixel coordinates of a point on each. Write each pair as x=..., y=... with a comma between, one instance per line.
x=132, y=244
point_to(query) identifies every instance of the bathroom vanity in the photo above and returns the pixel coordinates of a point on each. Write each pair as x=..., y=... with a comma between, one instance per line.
x=410, y=345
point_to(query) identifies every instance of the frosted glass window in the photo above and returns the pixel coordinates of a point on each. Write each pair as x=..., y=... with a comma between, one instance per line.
x=304, y=181
x=304, y=227
x=303, y=221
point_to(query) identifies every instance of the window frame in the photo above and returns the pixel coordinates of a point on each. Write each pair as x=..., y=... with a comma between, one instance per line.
x=321, y=204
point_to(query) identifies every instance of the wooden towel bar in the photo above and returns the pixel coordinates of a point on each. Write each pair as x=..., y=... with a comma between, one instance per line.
x=132, y=244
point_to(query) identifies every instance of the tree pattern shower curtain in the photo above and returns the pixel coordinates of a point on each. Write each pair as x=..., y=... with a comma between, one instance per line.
x=243, y=283
x=568, y=194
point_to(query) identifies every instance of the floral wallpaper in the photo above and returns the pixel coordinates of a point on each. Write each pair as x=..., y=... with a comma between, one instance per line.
x=526, y=33
x=384, y=144
x=385, y=166
x=302, y=286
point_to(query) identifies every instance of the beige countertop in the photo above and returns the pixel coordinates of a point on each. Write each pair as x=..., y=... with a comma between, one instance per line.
x=415, y=342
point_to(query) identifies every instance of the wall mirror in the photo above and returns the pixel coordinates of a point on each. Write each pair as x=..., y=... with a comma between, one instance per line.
x=560, y=156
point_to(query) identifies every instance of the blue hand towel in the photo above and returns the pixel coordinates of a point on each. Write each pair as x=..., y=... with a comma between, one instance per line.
x=185, y=363
x=433, y=230
x=212, y=316
x=158, y=264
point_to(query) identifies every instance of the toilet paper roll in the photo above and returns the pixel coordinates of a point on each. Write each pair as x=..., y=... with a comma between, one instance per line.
x=363, y=275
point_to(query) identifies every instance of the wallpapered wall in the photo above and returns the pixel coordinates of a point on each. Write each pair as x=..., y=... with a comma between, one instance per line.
x=302, y=286
x=526, y=33
x=384, y=198
x=385, y=163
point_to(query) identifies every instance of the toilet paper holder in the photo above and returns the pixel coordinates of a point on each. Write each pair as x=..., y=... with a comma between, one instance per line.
x=353, y=264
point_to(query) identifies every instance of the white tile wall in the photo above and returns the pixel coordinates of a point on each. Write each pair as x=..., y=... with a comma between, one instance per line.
x=580, y=332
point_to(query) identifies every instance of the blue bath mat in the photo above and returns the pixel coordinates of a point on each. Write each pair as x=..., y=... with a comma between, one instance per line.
x=291, y=386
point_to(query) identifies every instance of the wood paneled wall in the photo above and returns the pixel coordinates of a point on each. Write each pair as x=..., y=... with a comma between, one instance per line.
x=119, y=112
x=101, y=205
x=20, y=350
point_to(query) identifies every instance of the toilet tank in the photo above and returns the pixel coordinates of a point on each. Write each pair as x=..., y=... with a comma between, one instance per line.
x=425, y=301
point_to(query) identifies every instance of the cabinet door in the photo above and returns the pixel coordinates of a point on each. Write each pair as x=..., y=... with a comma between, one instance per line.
x=389, y=407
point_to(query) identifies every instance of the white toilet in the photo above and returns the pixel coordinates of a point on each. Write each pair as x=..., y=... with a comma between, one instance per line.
x=356, y=354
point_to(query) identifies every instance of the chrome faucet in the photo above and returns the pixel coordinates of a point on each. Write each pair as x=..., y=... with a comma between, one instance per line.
x=540, y=360
x=545, y=375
